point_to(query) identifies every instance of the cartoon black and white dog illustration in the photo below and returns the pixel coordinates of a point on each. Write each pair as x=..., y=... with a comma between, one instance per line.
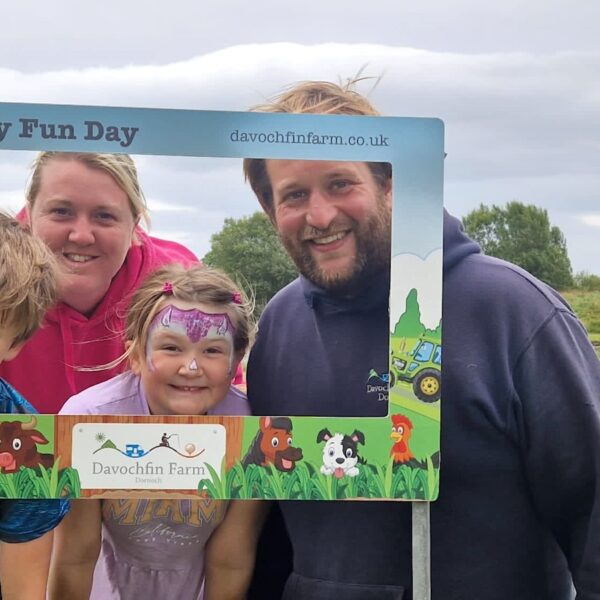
x=340, y=454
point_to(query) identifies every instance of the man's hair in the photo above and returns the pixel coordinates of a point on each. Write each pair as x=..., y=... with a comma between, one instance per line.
x=119, y=166
x=28, y=280
x=316, y=97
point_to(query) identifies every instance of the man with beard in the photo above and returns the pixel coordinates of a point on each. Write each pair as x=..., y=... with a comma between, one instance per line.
x=519, y=508
x=334, y=220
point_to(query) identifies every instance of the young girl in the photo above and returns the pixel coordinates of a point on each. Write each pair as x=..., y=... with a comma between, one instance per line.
x=186, y=332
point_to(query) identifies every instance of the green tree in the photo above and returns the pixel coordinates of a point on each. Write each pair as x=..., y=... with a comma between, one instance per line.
x=522, y=234
x=250, y=252
x=409, y=324
x=587, y=281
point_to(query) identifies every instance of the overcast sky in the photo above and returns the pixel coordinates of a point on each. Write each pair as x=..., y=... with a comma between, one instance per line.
x=516, y=84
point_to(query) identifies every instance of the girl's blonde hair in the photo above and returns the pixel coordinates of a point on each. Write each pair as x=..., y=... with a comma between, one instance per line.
x=119, y=166
x=196, y=283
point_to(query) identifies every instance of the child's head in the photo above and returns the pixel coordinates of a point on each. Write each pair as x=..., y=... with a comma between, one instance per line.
x=187, y=330
x=27, y=285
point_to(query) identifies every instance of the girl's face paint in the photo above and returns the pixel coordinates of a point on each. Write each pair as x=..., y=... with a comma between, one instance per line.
x=189, y=359
x=194, y=323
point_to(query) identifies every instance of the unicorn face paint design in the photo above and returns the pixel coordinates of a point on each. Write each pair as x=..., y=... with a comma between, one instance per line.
x=188, y=361
x=194, y=323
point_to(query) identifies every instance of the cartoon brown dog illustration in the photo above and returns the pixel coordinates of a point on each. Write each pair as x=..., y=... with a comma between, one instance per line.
x=273, y=445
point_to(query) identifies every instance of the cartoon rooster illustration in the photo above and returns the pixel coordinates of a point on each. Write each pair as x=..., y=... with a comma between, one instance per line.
x=401, y=432
x=402, y=429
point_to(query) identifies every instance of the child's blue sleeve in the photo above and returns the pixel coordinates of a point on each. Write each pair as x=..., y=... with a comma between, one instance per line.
x=11, y=402
x=26, y=520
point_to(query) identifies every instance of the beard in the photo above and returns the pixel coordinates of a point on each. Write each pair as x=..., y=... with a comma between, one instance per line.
x=373, y=253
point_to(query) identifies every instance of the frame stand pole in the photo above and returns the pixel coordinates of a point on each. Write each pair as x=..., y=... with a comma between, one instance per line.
x=421, y=551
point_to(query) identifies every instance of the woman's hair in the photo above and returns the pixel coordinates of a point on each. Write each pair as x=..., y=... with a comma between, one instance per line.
x=119, y=166
x=197, y=283
x=28, y=275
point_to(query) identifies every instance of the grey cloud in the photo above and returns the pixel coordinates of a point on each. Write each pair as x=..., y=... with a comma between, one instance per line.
x=519, y=125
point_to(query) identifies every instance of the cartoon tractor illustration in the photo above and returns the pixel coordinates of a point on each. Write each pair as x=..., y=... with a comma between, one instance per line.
x=421, y=367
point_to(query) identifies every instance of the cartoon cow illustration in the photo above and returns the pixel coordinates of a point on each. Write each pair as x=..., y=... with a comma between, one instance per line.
x=273, y=445
x=18, y=446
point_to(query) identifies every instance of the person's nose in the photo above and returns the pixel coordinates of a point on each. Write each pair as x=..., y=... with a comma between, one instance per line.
x=190, y=366
x=321, y=211
x=82, y=232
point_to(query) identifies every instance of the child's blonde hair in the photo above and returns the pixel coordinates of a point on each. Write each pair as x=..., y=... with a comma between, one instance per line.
x=28, y=279
x=196, y=283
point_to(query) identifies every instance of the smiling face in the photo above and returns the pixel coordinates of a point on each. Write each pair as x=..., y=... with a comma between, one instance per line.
x=334, y=219
x=187, y=364
x=85, y=218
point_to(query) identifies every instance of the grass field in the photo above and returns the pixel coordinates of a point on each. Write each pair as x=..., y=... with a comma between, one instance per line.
x=587, y=306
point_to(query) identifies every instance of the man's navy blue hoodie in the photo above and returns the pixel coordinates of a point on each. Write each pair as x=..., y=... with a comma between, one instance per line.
x=519, y=503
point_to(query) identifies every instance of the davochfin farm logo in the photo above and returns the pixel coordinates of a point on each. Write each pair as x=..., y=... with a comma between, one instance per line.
x=378, y=384
x=146, y=455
